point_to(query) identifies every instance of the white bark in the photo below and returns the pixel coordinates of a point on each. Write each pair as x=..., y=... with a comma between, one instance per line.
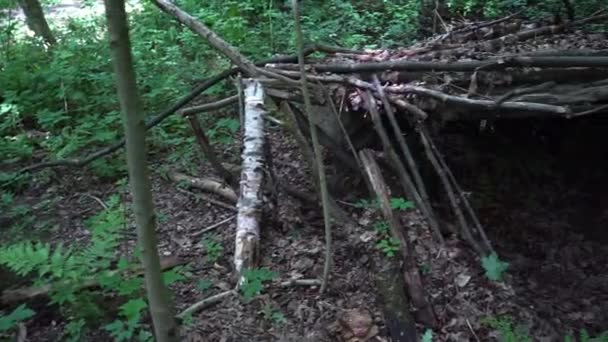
x=252, y=176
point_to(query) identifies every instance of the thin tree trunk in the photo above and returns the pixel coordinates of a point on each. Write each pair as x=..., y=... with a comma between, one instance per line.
x=143, y=206
x=34, y=16
x=314, y=135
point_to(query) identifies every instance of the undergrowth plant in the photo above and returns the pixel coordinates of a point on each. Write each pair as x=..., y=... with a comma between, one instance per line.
x=254, y=280
x=385, y=242
x=71, y=271
x=10, y=321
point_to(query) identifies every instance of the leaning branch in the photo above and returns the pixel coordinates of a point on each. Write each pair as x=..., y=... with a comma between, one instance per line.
x=210, y=106
x=318, y=154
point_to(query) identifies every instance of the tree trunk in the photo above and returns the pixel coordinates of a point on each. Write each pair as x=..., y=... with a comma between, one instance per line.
x=143, y=206
x=35, y=20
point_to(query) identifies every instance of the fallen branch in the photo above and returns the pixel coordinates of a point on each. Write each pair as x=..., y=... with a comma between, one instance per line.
x=212, y=227
x=588, y=112
x=208, y=152
x=301, y=282
x=411, y=274
x=204, y=184
x=407, y=65
x=207, y=107
x=206, y=303
x=208, y=199
x=252, y=179
x=534, y=109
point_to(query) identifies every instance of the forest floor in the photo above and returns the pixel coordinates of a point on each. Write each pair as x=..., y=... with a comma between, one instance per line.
x=556, y=282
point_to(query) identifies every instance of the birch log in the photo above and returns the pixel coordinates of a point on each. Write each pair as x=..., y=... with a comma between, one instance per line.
x=252, y=176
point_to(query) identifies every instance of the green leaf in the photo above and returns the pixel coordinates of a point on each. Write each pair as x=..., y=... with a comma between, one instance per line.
x=494, y=267
x=129, y=286
x=428, y=336
x=203, y=285
x=172, y=276
x=254, y=281
x=133, y=308
x=401, y=204
x=19, y=314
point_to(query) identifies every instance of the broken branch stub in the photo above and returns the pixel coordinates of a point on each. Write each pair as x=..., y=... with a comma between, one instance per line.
x=252, y=177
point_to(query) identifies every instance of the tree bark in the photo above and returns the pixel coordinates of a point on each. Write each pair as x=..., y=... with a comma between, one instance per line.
x=34, y=16
x=407, y=65
x=143, y=206
x=318, y=154
x=252, y=179
x=411, y=275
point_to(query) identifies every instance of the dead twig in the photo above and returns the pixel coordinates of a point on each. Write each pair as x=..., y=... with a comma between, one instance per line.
x=213, y=226
x=206, y=303
x=301, y=282
x=207, y=107
x=208, y=152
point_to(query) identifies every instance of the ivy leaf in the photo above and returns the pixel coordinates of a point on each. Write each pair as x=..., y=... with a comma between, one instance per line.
x=494, y=267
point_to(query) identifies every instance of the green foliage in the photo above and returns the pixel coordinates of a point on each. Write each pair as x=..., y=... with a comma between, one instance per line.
x=381, y=227
x=254, y=280
x=494, y=267
x=68, y=267
x=213, y=249
x=388, y=246
x=584, y=336
x=428, y=336
x=223, y=131
x=507, y=330
x=203, y=285
x=401, y=204
x=273, y=315
x=19, y=314
x=396, y=203
x=73, y=330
